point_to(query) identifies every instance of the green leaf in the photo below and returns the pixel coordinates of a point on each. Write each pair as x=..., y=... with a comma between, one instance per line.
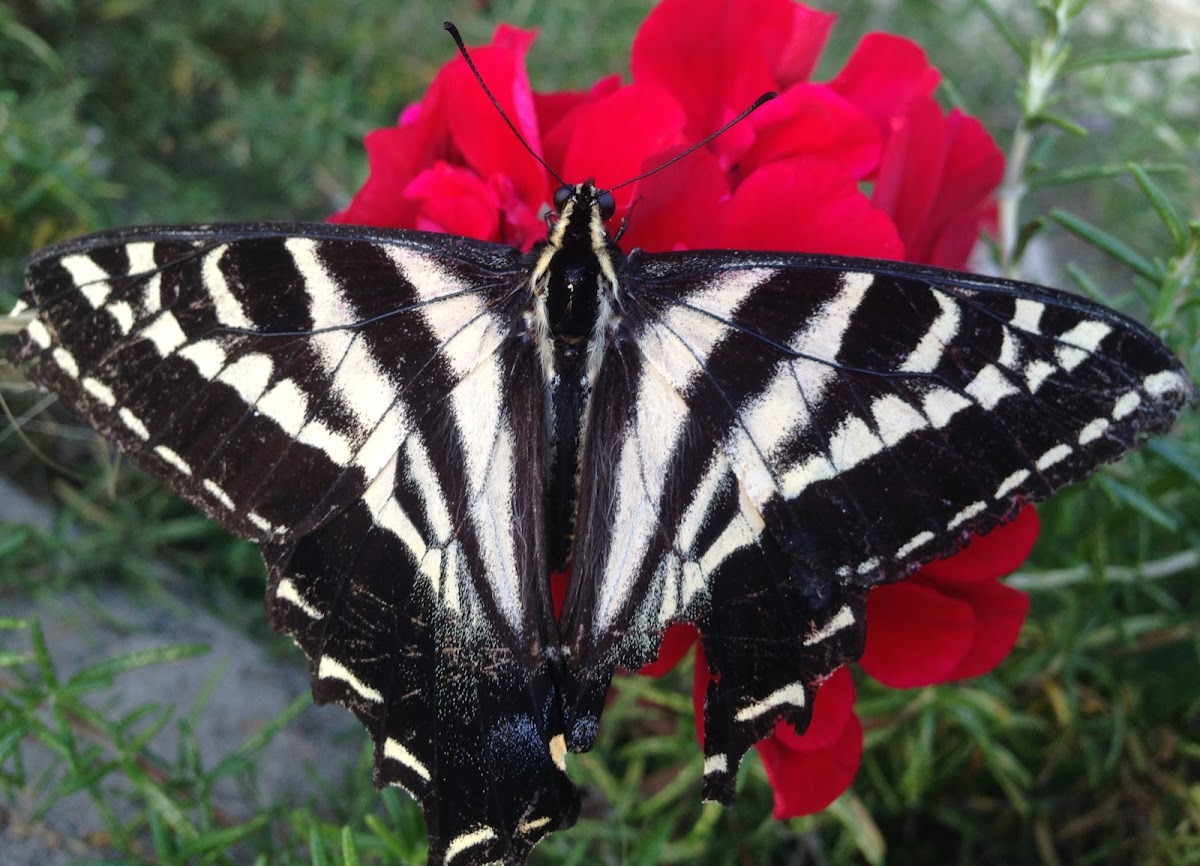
x=106, y=670
x=1000, y=25
x=1086, y=173
x=1105, y=242
x=1174, y=452
x=1138, y=501
x=349, y=848
x=1128, y=55
x=1052, y=119
x=221, y=841
x=1162, y=206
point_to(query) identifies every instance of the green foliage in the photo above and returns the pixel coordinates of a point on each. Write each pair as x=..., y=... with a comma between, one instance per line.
x=1083, y=747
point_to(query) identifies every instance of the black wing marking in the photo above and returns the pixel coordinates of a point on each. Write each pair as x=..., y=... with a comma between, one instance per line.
x=344, y=397
x=774, y=434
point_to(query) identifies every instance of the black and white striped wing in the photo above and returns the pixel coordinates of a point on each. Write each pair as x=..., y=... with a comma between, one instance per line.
x=353, y=402
x=774, y=434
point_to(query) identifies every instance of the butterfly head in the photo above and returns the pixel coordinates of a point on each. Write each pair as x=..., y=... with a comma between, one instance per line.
x=584, y=196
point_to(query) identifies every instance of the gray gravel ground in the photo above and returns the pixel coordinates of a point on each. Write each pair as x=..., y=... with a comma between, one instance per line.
x=251, y=688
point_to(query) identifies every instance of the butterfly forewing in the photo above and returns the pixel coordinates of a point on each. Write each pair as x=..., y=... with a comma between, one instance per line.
x=344, y=398
x=791, y=430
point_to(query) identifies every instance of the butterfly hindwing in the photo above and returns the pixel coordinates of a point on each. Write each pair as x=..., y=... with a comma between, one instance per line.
x=345, y=398
x=795, y=429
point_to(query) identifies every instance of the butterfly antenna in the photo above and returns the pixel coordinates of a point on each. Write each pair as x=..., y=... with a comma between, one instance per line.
x=462, y=49
x=754, y=106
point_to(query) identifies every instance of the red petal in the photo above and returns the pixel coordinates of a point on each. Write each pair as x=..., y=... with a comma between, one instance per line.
x=999, y=614
x=813, y=119
x=454, y=200
x=807, y=782
x=679, y=207
x=559, y=581
x=700, y=680
x=553, y=107
x=972, y=168
x=714, y=56
x=884, y=75
x=808, y=204
x=675, y=644
x=911, y=167
x=916, y=636
x=987, y=557
x=649, y=120
x=833, y=708
x=809, y=30
x=477, y=131
x=394, y=155
x=456, y=123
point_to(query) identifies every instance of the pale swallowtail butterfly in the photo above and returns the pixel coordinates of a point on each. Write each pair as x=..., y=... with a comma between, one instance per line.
x=416, y=429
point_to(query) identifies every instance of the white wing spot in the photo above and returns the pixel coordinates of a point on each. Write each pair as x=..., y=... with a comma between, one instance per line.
x=942, y=404
x=527, y=827
x=1036, y=373
x=99, y=390
x=91, y=279
x=122, y=314
x=895, y=418
x=928, y=353
x=1158, y=384
x=288, y=592
x=207, y=356
x=286, y=405
x=218, y=493
x=66, y=361
x=990, y=386
x=394, y=749
x=1085, y=337
x=249, y=375
x=868, y=565
x=918, y=540
x=165, y=333
x=715, y=764
x=332, y=669
x=792, y=694
x=134, y=423
x=1055, y=455
x=227, y=308
x=852, y=443
x=261, y=522
x=319, y=435
x=692, y=583
x=1126, y=405
x=1011, y=483
x=1010, y=350
x=966, y=514
x=1028, y=316
x=173, y=458
x=468, y=840
x=141, y=263
x=844, y=618
x=558, y=751
x=38, y=333
x=1092, y=431
x=798, y=478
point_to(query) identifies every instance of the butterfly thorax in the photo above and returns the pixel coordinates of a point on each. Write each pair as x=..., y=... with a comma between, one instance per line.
x=574, y=285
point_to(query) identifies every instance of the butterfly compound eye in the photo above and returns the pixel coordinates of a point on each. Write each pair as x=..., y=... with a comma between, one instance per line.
x=562, y=196
x=608, y=205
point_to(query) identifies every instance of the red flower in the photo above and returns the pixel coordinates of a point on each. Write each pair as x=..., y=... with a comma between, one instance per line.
x=790, y=177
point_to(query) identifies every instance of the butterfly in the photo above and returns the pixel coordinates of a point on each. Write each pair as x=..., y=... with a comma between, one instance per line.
x=416, y=429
